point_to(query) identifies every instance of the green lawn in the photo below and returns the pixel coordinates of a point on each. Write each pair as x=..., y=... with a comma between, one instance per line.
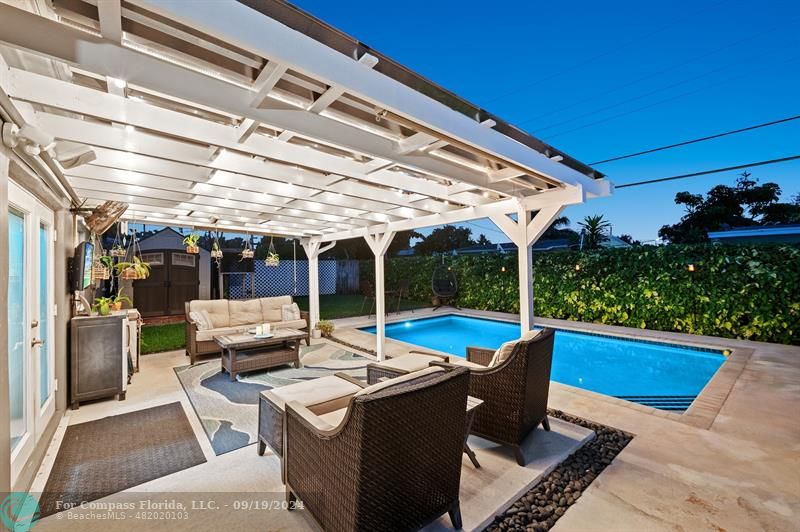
x=171, y=336
x=348, y=305
x=167, y=337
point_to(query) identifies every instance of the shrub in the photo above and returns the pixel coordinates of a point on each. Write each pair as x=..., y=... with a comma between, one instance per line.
x=744, y=291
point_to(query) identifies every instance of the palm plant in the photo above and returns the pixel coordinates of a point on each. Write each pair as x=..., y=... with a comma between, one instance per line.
x=595, y=231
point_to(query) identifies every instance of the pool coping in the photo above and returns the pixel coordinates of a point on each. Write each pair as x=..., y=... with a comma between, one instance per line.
x=701, y=413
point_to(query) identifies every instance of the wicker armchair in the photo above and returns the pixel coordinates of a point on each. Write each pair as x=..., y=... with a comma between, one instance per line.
x=514, y=392
x=392, y=463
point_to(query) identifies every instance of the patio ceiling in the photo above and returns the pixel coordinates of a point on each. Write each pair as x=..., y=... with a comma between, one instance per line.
x=211, y=114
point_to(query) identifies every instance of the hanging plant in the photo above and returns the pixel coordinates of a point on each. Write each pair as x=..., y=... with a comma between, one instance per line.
x=247, y=252
x=134, y=270
x=190, y=242
x=273, y=259
x=118, y=247
x=216, y=252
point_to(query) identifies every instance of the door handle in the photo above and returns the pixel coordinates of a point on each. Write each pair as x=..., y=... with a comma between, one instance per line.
x=37, y=341
x=34, y=324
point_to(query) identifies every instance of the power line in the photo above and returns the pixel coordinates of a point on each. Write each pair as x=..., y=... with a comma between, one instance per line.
x=694, y=141
x=707, y=172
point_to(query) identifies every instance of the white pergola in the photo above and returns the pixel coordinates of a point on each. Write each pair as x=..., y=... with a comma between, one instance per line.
x=220, y=116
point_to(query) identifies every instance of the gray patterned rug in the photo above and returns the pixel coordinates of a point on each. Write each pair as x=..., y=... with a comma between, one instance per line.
x=228, y=410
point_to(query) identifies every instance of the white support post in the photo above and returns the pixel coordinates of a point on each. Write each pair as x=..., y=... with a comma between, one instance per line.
x=379, y=243
x=313, y=251
x=524, y=233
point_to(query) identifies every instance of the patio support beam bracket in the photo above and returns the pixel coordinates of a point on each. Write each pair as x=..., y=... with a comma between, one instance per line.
x=524, y=232
x=313, y=248
x=379, y=244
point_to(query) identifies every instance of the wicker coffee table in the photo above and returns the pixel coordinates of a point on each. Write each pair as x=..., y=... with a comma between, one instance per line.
x=244, y=352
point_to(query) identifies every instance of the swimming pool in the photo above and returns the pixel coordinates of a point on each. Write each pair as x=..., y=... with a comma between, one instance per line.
x=664, y=376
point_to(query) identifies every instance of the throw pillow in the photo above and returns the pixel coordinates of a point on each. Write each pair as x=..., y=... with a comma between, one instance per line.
x=199, y=320
x=505, y=350
x=290, y=312
x=207, y=317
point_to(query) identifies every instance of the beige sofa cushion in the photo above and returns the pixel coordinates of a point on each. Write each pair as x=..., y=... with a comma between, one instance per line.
x=217, y=310
x=201, y=320
x=246, y=312
x=466, y=363
x=505, y=350
x=209, y=334
x=271, y=307
x=410, y=362
x=321, y=395
x=401, y=380
x=296, y=324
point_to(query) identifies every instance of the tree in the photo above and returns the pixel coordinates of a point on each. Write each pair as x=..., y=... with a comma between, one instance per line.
x=402, y=240
x=559, y=229
x=745, y=204
x=483, y=241
x=630, y=240
x=595, y=230
x=444, y=239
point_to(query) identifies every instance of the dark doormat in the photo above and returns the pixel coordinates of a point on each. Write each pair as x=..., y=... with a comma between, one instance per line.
x=112, y=454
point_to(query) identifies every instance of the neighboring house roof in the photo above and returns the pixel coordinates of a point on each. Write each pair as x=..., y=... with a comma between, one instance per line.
x=764, y=233
x=614, y=242
x=509, y=247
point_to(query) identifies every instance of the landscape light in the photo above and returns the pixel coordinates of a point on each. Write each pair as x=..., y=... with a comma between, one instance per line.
x=502, y=268
x=690, y=267
x=577, y=267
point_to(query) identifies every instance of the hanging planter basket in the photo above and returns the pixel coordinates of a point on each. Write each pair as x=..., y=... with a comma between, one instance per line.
x=193, y=249
x=247, y=252
x=273, y=259
x=118, y=252
x=100, y=272
x=190, y=242
x=129, y=274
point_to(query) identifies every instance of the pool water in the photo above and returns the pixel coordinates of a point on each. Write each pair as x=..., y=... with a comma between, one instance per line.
x=664, y=376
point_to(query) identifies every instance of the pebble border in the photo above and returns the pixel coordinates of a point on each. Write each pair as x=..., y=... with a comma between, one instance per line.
x=547, y=501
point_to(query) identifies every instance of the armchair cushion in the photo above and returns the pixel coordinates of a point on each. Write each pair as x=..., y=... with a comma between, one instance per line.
x=335, y=418
x=403, y=380
x=505, y=350
x=319, y=423
x=466, y=363
x=410, y=362
x=321, y=395
x=245, y=312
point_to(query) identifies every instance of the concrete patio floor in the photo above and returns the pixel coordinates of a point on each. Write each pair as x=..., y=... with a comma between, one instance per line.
x=741, y=471
x=241, y=475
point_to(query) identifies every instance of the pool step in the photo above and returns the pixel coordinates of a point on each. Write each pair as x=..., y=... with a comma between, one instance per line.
x=674, y=403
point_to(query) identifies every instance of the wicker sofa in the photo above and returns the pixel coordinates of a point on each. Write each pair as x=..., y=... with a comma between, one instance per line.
x=236, y=315
x=514, y=391
x=387, y=461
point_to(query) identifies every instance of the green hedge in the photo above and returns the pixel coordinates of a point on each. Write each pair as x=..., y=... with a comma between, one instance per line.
x=750, y=292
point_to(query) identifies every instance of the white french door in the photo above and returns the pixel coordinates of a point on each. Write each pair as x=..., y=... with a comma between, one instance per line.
x=31, y=313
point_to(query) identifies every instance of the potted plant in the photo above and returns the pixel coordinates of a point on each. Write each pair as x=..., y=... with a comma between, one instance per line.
x=325, y=327
x=102, y=305
x=119, y=299
x=134, y=270
x=273, y=259
x=190, y=242
x=118, y=251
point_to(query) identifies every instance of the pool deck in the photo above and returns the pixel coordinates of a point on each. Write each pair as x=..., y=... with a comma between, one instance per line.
x=731, y=462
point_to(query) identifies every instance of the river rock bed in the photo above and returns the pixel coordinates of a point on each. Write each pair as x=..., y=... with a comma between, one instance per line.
x=547, y=501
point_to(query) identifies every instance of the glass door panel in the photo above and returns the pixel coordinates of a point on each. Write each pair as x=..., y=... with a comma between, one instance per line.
x=17, y=337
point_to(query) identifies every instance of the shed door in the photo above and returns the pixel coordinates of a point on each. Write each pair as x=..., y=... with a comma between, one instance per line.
x=174, y=279
x=184, y=280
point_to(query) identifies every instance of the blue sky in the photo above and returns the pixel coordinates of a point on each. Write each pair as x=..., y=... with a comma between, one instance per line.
x=599, y=79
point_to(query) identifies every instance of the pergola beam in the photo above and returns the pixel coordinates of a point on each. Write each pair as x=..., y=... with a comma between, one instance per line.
x=110, y=14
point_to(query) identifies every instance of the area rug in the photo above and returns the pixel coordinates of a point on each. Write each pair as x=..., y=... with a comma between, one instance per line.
x=228, y=410
x=115, y=453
